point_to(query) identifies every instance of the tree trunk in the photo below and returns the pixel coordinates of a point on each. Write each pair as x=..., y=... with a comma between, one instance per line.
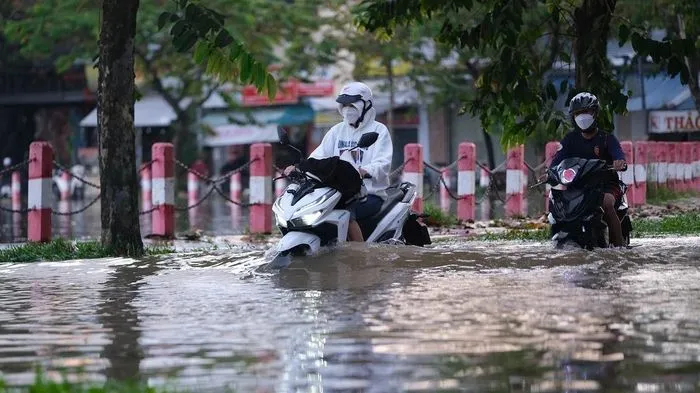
x=390, y=113
x=119, y=186
x=488, y=143
x=592, y=23
x=693, y=64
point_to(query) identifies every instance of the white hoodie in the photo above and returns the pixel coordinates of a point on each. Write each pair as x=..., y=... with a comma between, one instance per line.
x=375, y=160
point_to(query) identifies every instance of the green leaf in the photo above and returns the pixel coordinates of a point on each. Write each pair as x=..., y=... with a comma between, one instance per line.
x=245, y=63
x=178, y=28
x=201, y=51
x=271, y=86
x=223, y=39
x=259, y=76
x=163, y=19
x=623, y=34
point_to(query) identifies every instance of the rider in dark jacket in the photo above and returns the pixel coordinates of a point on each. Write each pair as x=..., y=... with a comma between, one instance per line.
x=588, y=142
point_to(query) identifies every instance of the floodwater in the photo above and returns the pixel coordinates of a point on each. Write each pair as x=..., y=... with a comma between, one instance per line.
x=476, y=317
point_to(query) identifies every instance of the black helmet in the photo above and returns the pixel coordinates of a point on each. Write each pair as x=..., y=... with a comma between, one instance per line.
x=584, y=102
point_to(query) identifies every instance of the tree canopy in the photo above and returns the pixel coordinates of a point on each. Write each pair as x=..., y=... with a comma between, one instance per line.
x=524, y=41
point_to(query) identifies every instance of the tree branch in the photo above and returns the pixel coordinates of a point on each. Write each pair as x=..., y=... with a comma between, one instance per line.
x=158, y=84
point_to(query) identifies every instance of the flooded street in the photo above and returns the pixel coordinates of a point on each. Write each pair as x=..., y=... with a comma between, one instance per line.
x=474, y=317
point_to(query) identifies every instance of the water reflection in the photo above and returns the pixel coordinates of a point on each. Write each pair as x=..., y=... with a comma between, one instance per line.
x=213, y=217
x=483, y=318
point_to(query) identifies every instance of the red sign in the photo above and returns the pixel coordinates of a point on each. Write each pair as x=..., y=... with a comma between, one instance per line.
x=288, y=93
x=316, y=89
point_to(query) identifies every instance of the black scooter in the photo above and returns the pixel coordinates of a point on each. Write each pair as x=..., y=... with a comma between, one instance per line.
x=575, y=211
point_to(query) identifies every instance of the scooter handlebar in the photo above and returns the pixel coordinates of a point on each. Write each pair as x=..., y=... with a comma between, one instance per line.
x=366, y=176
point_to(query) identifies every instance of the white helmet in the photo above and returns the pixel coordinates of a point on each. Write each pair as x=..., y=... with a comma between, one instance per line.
x=7, y=161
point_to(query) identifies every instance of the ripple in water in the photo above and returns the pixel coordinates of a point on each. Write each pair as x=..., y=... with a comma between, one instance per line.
x=477, y=317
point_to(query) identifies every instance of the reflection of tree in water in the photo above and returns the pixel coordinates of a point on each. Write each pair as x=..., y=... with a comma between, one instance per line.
x=117, y=314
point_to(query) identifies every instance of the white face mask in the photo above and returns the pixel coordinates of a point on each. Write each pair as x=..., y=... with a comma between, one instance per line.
x=584, y=121
x=350, y=114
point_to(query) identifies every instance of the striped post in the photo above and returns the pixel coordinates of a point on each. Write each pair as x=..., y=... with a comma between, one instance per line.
x=444, y=191
x=235, y=188
x=523, y=183
x=466, y=181
x=652, y=164
x=146, y=196
x=662, y=154
x=65, y=185
x=261, y=188
x=280, y=184
x=163, y=190
x=696, y=166
x=192, y=188
x=413, y=171
x=627, y=176
x=484, y=178
x=672, y=172
x=640, y=173
x=687, y=166
x=550, y=150
x=16, y=191
x=39, y=192
x=514, y=175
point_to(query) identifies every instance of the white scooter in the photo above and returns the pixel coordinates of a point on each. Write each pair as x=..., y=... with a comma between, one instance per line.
x=309, y=218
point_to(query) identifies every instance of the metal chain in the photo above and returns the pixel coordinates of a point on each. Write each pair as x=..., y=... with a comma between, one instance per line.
x=61, y=167
x=239, y=169
x=22, y=211
x=15, y=167
x=223, y=195
x=146, y=165
x=199, y=202
x=97, y=198
x=149, y=211
x=192, y=171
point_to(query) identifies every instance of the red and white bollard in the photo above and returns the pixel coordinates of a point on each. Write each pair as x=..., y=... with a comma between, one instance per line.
x=550, y=151
x=235, y=189
x=652, y=164
x=687, y=166
x=163, y=190
x=696, y=166
x=444, y=190
x=413, y=171
x=484, y=178
x=65, y=186
x=16, y=191
x=280, y=184
x=514, y=175
x=192, y=188
x=146, y=196
x=662, y=154
x=640, y=173
x=39, y=192
x=627, y=176
x=466, y=181
x=261, y=188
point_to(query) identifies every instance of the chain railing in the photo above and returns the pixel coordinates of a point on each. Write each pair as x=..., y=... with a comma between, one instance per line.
x=15, y=167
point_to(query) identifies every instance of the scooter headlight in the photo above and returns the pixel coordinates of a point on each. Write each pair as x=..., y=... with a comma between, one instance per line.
x=567, y=176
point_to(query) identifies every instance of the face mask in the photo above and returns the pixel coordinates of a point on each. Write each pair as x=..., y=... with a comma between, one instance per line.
x=584, y=121
x=350, y=114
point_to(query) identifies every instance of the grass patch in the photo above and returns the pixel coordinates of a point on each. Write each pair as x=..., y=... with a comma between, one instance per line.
x=516, y=234
x=661, y=195
x=682, y=224
x=42, y=384
x=437, y=218
x=62, y=250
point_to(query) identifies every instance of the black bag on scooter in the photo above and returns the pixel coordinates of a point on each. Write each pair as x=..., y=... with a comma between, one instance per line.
x=335, y=173
x=415, y=233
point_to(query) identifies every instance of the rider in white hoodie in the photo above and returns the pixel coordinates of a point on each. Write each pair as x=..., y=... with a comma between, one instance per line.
x=356, y=106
